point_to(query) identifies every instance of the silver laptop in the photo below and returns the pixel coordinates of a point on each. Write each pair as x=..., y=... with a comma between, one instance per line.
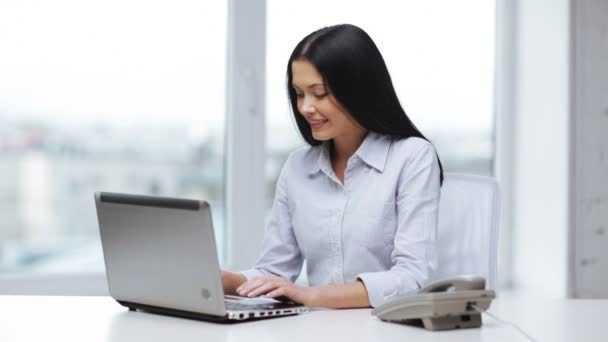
x=160, y=256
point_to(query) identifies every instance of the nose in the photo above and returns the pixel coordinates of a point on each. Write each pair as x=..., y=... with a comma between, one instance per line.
x=307, y=106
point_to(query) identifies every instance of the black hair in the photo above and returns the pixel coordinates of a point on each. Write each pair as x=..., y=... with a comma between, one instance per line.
x=354, y=72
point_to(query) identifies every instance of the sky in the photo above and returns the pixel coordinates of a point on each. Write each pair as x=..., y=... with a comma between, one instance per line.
x=123, y=62
x=113, y=61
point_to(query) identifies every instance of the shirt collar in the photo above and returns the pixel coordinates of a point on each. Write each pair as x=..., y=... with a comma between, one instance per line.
x=373, y=152
x=322, y=162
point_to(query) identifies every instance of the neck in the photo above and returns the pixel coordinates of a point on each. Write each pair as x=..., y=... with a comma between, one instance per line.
x=344, y=147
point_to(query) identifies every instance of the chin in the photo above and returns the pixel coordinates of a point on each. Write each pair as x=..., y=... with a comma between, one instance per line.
x=321, y=136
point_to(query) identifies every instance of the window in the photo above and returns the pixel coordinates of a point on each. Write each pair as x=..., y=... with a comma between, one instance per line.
x=123, y=96
x=129, y=96
x=441, y=58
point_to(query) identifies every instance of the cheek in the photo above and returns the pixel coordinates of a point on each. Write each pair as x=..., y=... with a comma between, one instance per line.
x=335, y=115
x=329, y=110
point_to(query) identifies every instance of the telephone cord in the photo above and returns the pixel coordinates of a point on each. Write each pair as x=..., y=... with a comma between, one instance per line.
x=513, y=325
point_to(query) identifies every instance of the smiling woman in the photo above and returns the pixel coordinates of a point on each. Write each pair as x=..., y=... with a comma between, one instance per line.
x=360, y=203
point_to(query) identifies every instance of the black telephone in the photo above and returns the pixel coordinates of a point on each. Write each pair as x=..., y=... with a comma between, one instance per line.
x=446, y=304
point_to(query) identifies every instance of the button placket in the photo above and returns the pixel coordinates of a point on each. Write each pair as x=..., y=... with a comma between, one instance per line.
x=338, y=275
x=346, y=185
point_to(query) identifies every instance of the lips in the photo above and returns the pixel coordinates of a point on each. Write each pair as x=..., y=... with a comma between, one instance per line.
x=317, y=124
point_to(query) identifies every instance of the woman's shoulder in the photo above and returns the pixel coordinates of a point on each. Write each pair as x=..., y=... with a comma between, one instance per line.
x=412, y=146
x=414, y=156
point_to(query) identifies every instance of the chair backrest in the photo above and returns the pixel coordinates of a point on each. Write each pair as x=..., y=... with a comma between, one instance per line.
x=468, y=227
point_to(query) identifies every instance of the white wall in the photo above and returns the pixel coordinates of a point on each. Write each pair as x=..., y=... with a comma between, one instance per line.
x=560, y=143
x=589, y=131
x=541, y=142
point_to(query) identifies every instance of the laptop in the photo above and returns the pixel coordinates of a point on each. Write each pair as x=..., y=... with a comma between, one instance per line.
x=160, y=257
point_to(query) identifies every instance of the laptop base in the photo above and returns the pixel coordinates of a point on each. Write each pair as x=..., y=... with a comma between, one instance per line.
x=191, y=315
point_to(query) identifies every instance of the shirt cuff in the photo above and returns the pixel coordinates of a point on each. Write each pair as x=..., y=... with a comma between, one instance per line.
x=384, y=286
x=252, y=273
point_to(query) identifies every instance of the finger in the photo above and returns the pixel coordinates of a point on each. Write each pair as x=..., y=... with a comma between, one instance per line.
x=246, y=284
x=281, y=291
x=255, y=285
x=263, y=289
x=256, y=282
x=250, y=285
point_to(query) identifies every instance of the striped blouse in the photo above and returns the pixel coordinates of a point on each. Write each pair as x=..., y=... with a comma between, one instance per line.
x=379, y=226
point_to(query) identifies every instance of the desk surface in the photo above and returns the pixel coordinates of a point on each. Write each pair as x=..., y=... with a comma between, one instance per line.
x=31, y=318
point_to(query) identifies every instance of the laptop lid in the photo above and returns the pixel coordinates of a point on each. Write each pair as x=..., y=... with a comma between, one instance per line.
x=160, y=252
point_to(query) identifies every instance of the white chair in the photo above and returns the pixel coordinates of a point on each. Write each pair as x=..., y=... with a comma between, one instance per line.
x=468, y=227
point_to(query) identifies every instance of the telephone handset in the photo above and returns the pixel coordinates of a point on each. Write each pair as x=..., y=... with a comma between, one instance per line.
x=446, y=304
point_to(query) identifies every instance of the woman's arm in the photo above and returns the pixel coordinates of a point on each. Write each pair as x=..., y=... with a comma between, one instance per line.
x=353, y=295
x=280, y=250
x=414, y=255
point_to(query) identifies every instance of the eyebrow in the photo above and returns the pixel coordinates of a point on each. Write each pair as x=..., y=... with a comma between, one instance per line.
x=310, y=86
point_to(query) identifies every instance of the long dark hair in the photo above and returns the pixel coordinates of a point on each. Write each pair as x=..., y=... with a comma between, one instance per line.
x=354, y=72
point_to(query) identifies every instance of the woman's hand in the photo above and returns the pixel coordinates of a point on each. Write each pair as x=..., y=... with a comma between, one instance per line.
x=231, y=281
x=274, y=286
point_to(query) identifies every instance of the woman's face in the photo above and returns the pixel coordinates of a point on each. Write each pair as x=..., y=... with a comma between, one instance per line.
x=320, y=108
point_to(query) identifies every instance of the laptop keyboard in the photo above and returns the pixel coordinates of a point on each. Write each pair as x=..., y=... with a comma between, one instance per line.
x=233, y=303
x=235, y=306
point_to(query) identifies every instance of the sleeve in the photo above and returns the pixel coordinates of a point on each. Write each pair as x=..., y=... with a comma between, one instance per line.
x=414, y=256
x=280, y=251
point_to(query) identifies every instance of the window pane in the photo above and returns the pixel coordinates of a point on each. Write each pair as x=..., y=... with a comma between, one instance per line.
x=441, y=58
x=121, y=96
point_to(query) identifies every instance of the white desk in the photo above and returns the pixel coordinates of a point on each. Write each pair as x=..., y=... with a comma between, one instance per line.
x=89, y=319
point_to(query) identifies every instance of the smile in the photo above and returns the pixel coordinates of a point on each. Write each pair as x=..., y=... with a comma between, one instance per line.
x=317, y=124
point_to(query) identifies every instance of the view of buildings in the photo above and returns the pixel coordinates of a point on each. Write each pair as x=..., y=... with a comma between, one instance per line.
x=50, y=173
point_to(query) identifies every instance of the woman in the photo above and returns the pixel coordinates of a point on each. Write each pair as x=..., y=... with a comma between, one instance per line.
x=360, y=203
